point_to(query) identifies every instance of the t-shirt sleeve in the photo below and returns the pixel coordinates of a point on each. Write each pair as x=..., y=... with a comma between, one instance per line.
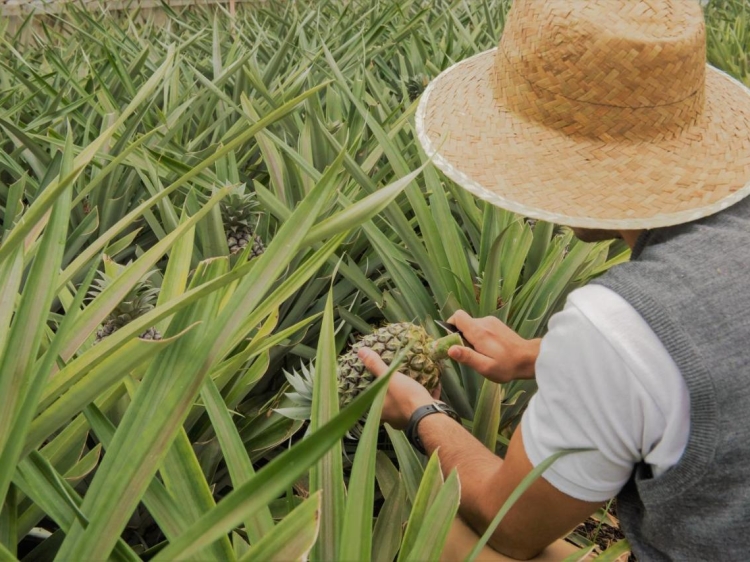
x=588, y=398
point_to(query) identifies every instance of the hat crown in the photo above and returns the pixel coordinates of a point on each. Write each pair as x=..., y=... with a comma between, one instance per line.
x=598, y=60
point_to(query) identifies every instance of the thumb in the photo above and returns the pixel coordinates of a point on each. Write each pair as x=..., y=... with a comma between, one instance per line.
x=466, y=356
x=372, y=362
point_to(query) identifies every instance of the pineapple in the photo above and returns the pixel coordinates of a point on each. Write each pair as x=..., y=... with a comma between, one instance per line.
x=422, y=363
x=237, y=215
x=478, y=292
x=140, y=299
x=416, y=85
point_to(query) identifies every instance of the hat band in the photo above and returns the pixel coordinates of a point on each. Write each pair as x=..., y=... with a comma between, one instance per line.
x=601, y=121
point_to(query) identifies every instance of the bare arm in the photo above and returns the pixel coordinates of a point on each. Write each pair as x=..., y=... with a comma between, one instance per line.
x=541, y=516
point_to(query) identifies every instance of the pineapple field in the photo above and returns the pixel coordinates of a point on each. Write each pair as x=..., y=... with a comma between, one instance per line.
x=200, y=222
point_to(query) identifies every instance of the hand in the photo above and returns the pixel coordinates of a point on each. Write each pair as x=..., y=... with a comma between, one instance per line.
x=499, y=354
x=405, y=394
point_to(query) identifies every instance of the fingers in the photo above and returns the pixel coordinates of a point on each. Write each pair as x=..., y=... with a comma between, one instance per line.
x=372, y=362
x=470, y=327
x=480, y=363
x=405, y=395
x=461, y=320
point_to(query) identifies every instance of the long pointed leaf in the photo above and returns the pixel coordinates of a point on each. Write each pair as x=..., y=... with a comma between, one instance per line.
x=356, y=533
x=274, y=478
x=17, y=374
x=292, y=538
x=429, y=488
x=235, y=455
x=40, y=207
x=152, y=420
x=328, y=474
x=435, y=526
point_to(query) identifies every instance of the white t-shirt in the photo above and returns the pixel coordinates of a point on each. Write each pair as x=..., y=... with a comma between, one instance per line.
x=605, y=382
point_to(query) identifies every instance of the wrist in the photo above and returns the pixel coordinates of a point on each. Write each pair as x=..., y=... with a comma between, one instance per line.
x=527, y=358
x=436, y=409
x=413, y=404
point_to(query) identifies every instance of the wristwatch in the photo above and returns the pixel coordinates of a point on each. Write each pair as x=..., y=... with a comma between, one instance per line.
x=435, y=408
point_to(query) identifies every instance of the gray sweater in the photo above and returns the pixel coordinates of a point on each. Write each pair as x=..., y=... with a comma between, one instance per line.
x=691, y=283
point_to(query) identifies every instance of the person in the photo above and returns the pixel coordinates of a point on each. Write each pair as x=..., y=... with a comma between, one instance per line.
x=604, y=116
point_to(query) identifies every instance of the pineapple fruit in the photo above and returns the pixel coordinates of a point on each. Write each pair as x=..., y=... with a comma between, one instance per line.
x=140, y=299
x=237, y=215
x=422, y=363
x=416, y=85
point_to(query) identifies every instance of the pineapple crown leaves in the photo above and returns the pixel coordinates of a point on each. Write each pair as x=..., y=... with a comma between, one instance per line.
x=238, y=208
x=140, y=299
x=129, y=309
x=415, y=85
x=302, y=383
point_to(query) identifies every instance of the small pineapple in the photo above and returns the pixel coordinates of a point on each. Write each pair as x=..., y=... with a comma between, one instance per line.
x=478, y=292
x=416, y=85
x=422, y=363
x=237, y=214
x=140, y=299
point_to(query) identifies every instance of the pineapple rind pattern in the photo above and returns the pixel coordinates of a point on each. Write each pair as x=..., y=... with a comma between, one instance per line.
x=238, y=240
x=352, y=376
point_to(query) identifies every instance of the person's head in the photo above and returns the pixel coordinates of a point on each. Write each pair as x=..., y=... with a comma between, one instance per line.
x=600, y=115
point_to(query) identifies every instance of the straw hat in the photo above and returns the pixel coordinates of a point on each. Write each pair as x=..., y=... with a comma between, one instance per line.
x=596, y=114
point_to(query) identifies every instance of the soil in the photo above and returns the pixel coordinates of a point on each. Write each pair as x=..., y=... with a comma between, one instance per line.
x=605, y=533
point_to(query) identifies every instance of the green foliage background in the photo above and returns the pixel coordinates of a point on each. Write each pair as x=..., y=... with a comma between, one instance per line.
x=119, y=138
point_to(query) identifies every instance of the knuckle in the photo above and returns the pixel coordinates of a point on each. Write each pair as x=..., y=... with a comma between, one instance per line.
x=487, y=323
x=484, y=332
x=463, y=317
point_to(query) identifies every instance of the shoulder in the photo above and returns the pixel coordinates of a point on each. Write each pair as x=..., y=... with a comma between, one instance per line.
x=606, y=383
x=620, y=336
x=608, y=312
x=598, y=348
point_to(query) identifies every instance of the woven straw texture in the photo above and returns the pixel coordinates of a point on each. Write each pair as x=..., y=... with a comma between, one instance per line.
x=595, y=114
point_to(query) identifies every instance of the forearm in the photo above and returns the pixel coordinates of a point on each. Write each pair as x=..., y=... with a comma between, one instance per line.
x=542, y=515
x=539, y=517
x=476, y=465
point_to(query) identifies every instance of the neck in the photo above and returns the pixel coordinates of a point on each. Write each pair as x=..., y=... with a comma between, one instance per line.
x=631, y=236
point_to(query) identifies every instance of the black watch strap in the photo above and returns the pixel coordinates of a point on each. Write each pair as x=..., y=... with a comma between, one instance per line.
x=412, y=433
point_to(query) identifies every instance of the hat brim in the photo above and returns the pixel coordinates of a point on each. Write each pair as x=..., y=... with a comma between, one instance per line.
x=578, y=181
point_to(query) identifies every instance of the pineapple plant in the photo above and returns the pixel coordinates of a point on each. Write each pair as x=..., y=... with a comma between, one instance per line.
x=237, y=214
x=139, y=300
x=422, y=363
x=177, y=133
